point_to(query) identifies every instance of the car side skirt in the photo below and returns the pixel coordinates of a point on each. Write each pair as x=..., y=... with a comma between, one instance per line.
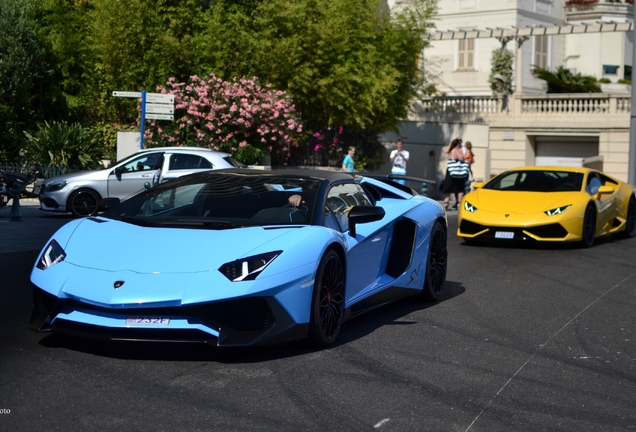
x=381, y=298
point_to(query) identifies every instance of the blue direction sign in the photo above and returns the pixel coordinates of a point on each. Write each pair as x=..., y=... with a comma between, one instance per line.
x=160, y=107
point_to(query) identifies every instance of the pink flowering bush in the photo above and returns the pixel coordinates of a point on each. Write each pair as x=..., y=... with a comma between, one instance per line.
x=329, y=146
x=240, y=117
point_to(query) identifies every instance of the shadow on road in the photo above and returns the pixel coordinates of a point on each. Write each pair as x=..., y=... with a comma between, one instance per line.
x=540, y=245
x=357, y=328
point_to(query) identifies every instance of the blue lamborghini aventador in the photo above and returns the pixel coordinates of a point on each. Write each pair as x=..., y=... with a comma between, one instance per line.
x=241, y=257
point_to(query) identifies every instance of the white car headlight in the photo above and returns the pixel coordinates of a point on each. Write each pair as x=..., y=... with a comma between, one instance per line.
x=558, y=210
x=248, y=268
x=469, y=207
x=52, y=255
x=55, y=185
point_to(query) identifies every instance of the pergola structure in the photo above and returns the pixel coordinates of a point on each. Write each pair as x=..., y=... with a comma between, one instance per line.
x=514, y=33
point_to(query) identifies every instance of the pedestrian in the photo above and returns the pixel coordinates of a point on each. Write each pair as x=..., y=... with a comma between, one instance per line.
x=469, y=156
x=399, y=159
x=347, y=163
x=456, y=173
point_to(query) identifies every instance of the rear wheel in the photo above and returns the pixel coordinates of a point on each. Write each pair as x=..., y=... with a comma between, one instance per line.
x=83, y=202
x=435, y=276
x=589, y=227
x=327, y=305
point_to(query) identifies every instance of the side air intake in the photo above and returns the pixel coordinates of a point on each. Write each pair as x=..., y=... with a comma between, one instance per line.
x=401, y=251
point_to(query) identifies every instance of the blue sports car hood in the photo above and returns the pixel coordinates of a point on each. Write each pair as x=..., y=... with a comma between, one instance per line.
x=111, y=245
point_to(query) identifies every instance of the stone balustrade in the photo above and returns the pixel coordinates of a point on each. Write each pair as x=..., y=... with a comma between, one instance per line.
x=566, y=103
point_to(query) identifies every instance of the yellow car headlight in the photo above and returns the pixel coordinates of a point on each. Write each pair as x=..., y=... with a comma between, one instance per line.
x=558, y=210
x=469, y=207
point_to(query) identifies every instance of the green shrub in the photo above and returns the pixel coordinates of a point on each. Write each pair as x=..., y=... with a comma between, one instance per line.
x=564, y=81
x=63, y=145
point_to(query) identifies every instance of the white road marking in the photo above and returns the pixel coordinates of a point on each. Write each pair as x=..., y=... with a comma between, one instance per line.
x=381, y=423
x=543, y=345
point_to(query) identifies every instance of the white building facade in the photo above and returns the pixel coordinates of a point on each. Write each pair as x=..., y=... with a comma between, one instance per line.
x=531, y=127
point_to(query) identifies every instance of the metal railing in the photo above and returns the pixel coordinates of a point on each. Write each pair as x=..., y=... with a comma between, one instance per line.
x=50, y=170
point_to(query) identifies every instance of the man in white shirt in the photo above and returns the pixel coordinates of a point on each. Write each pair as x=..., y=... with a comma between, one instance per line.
x=399, y=159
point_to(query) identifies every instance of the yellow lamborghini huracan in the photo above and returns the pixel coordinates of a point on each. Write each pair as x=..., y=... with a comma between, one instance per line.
x=548, y=204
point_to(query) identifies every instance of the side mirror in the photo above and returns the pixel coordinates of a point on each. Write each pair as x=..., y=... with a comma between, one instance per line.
x=477, y=185
x=107, y=204
x=119, y=170
x=363, y=214
x=605, y=189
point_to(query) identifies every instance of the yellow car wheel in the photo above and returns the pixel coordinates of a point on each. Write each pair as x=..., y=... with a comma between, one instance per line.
x=630, y=223
x=589, y=227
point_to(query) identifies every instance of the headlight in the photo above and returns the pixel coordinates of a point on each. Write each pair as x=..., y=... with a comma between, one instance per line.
x=55, y=185
x=52, y=255
x=247, y=268
x=558, y=210
x=469, y=207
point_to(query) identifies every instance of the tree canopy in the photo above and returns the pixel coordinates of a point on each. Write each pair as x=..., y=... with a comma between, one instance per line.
x=344, y=63
x=21, y=69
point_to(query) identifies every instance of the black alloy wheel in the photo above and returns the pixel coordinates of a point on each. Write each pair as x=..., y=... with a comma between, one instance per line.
x=327, y=306
x=435, y=276
x=589, y=227
x=83, y=202
x=630, y=222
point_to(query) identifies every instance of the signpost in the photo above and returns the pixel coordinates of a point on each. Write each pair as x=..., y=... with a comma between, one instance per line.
x=154, y=106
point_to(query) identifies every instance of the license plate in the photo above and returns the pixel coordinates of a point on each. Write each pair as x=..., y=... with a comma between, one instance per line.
x=148, y=320
x=504, y=234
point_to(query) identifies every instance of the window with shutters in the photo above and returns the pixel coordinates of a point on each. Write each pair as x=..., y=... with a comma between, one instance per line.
x=466, y=54
x=541, y=51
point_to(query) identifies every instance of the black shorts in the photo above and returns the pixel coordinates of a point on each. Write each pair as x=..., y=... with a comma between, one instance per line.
x=454, y=184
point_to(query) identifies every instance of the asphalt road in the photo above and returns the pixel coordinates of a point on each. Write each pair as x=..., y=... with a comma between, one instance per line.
x=525, y=339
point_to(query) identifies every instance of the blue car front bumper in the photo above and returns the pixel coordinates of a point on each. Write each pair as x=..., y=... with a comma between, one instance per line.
x=244, y=321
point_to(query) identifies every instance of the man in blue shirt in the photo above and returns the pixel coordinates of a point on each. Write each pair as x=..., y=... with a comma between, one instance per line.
x=347, y=163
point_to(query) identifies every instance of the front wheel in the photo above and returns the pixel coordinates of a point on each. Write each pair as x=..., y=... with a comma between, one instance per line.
x=327, y=304
x=435, y=275
x=83, y=202
x=589, y=227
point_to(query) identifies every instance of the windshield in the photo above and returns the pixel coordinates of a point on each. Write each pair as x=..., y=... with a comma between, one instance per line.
x=234, y=162
x=537, y=181
x=222, y=200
